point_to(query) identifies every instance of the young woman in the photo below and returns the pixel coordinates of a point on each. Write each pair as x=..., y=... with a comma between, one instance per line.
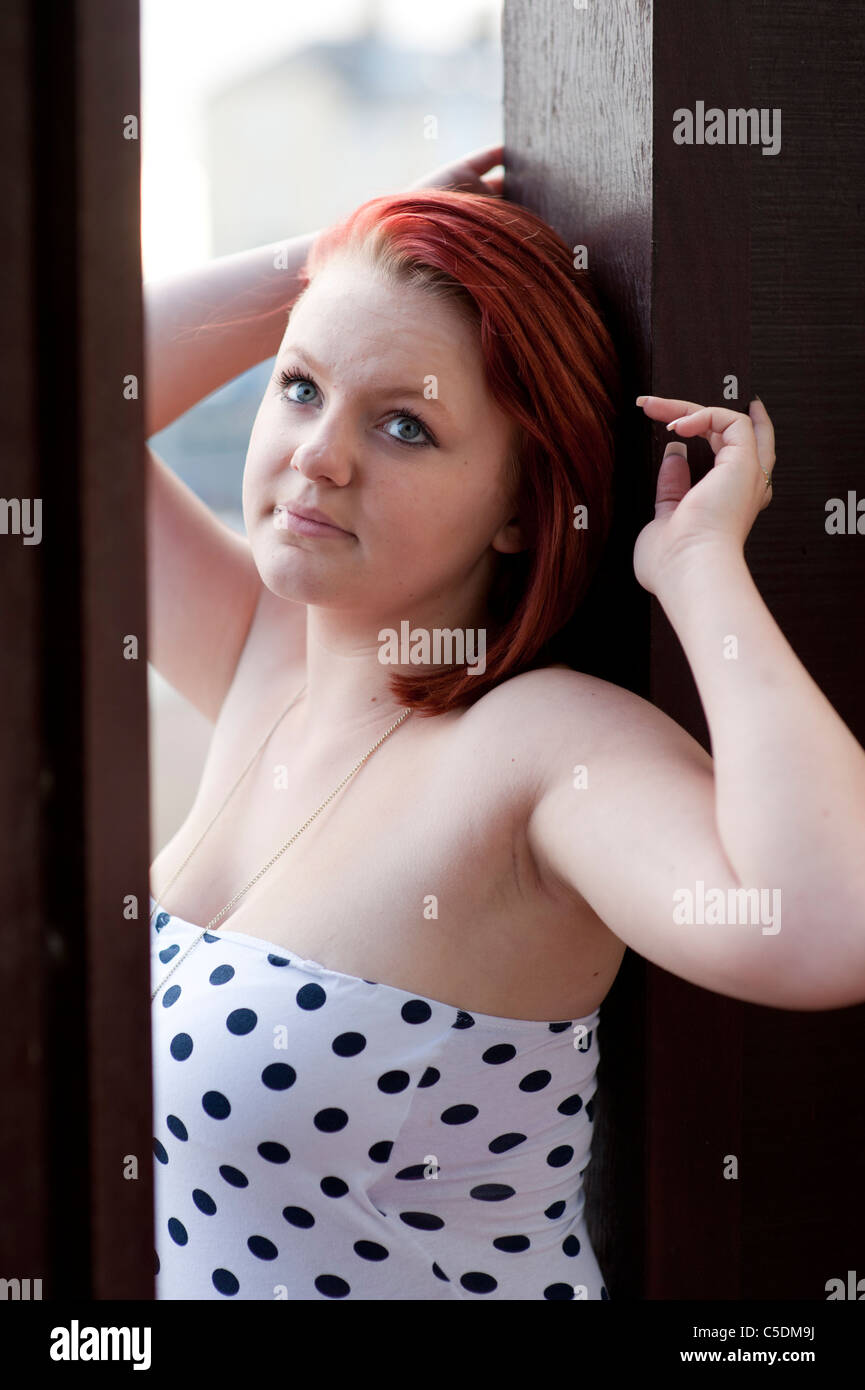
x=383, y=934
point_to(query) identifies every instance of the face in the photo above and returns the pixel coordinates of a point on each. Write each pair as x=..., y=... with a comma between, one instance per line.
x=395, y=439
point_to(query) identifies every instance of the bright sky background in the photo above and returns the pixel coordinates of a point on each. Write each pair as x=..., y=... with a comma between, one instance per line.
x=190, y=47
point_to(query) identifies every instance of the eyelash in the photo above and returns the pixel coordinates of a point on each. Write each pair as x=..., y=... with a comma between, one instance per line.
x=293, y=374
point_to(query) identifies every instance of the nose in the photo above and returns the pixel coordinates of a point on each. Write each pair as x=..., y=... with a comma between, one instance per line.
x=325, y=451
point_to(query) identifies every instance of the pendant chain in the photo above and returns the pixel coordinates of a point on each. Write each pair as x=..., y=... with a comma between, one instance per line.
x=405, y=714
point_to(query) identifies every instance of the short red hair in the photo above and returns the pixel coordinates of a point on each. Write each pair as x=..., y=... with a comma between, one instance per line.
x=550, y=364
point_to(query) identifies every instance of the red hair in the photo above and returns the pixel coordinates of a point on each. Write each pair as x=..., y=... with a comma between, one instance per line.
x=550, y=364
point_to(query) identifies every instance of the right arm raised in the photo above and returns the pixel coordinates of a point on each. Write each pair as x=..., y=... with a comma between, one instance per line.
x=203, y=585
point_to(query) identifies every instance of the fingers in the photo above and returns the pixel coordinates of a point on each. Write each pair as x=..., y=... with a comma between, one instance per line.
x=487, y=158
x=494, y=184
x=764, y=432
x=668, y=409
x=688, y=419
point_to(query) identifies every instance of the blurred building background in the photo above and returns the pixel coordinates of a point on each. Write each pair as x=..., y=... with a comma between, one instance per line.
x=261, y=121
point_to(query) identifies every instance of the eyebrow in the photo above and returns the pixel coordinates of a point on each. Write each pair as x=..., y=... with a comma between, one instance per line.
x=411, y=391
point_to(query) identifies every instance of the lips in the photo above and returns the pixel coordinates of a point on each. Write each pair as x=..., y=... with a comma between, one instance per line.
x=313, y=517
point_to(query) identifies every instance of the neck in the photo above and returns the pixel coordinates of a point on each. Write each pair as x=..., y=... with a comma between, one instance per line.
x=349, y=667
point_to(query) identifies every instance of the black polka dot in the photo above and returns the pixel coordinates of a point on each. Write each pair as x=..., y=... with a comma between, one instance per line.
x=380, y=1152
x=273, y=1151
x=298, y=1216
x=224, y=1281
x=491, y=1192
x=393, y=1081
x=476, y=1282
x=162, y=921
x=177, y=1231
x=216, y=1105
x=310, y=997
x=558, y=1157
x=536, y=1080
x=559, y=1291
x=571, y=1105
x=463, y=1020
x=331, y=1120
x=181, y=1047
x=159, y=1150
x=512, y=1244
x=416, y=1011
x=279, y=1076
x=571, y=1245
x=430, y=1077
x=233, y=1175
x=501, y=1052
x=222, y=974
x=204, y=1201
x=349, y=1044
x=554, y=1211
x=169, y=953
x=411, y=1174
x=278, y=960
x=241, y=1021
x=506, y=1142
x=370, y=1250
x=332, y=1286
x=333, y=1187
x=177, y=1127
x=171, y=996
x=458, y=1114
x=421, y=1220
x=263, y=1248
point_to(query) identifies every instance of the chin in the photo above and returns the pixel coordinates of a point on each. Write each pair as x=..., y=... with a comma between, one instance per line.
x=286, y=576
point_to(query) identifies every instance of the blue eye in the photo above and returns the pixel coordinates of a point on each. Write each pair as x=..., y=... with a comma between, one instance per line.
x=410, y=420
x=294, y=374
x=287, y=379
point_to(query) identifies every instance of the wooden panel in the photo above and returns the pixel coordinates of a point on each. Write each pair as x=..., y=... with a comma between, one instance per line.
x=804, y=1217
x=22, y=1076
x=578, y=139
x=76, y=1064
x=717, y=261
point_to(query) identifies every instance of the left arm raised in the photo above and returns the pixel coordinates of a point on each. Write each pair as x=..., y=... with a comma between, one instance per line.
x=781, y=807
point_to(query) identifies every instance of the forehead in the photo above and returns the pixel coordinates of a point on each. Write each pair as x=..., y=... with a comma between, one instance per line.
x=351, y=317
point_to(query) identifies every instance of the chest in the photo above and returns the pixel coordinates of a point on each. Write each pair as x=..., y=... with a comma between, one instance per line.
x=414, y=873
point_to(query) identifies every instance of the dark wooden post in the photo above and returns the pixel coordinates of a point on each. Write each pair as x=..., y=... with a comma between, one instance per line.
x=727, y=268
x=76, y=1145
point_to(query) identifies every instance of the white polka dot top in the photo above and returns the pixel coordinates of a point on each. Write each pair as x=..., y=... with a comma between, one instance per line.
x=320, y=1136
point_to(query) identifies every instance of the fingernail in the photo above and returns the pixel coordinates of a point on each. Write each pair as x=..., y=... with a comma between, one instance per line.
x=676, y=446
x=641, y=400
x=672, y=425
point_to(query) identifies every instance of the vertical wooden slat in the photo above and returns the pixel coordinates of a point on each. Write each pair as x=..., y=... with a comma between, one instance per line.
x=578, y=140
x=77, y=1156
x=22, y=1056
x=804, y=1215
x=114, y=618
x=701, y=286
x=718, y=262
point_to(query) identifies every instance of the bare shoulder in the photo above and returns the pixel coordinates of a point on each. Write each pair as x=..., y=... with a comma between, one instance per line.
x=542, y=721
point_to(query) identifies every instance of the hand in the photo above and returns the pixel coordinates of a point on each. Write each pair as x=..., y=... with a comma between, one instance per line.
x=465, y=174
x=724, y=505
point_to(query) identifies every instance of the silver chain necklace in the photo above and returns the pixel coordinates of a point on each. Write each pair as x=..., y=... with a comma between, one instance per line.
x=405, y=714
